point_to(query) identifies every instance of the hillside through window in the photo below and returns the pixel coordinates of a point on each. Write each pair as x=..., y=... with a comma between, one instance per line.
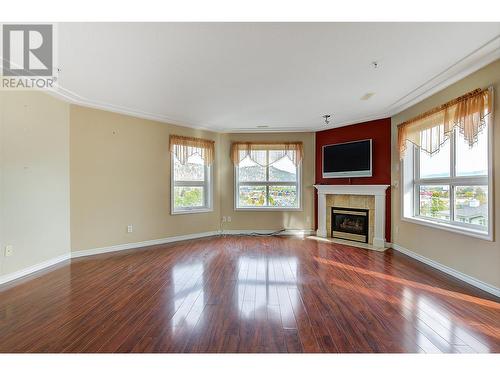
x=267, y=186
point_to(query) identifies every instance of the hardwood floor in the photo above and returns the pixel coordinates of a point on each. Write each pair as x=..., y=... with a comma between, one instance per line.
x=247, y=294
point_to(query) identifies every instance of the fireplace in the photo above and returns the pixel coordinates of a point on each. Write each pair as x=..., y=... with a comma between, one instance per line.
x=350, y=224
x=344, y=197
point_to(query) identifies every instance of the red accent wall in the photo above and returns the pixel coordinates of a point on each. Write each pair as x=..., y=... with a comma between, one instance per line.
x=380, y=133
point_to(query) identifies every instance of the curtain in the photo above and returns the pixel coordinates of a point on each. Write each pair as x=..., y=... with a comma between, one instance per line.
x=184, y=147
x=256, y=151
x=432, y=129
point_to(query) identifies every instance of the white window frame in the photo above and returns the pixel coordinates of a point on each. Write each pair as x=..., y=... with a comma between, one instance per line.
x=267, y=183
x=410, y=195
x=207, y=184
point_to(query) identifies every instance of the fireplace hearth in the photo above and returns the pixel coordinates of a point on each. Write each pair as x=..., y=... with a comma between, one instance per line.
x=350, y=224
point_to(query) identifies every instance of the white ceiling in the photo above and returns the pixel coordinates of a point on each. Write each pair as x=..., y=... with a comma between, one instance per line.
x=238, y=76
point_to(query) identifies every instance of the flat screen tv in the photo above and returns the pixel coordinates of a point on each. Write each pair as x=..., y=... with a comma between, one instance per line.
x=350, y=159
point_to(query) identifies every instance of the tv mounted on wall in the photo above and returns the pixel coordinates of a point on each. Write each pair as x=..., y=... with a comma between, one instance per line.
x=350, y=159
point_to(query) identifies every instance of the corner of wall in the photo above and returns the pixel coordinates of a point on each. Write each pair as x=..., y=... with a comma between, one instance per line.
x=34, y=179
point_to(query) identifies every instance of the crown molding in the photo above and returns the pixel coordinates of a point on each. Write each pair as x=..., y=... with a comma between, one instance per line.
x=70, y=97
x=484, y=55
x=479, y=58
x=301, y=129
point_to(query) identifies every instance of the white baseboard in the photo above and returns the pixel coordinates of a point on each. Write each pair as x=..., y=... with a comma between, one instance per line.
x=450, y=271
x=160, y=241
x=135, y=245
x=37, y=267
x=286, y=232
x=100, y=250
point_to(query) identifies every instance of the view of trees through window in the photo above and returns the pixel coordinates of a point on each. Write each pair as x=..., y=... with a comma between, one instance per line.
x=435, y=201
x=188, y=196
x=190, y=183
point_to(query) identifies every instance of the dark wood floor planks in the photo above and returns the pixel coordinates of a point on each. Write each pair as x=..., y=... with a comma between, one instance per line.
x=247, y=294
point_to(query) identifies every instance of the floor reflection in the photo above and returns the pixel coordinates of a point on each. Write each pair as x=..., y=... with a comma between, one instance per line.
x=263, y=287
x=435, y=329
x=189, y=296
x=410, y=283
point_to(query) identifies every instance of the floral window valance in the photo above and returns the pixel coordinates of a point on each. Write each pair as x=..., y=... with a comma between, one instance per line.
x=293, y=150
x=431, y=129
x=184, y=147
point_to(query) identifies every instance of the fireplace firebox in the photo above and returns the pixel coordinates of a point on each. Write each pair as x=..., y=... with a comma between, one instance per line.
x=350, y=224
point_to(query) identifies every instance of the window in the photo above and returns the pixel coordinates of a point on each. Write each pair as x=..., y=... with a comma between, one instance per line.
x=191, y=186
x=267, y=179
x=451, y=187
x=446, y=175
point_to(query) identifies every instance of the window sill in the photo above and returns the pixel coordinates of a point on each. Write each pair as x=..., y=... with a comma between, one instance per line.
x=450, y=228
x=192, y=211
x=267, y=209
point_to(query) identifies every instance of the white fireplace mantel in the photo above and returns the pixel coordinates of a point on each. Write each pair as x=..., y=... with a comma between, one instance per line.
x=378, y=191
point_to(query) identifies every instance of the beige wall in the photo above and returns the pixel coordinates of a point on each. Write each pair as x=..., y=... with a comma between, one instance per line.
x=270, y=220
x=474, y=257
x=34, y=179
x=120, y=175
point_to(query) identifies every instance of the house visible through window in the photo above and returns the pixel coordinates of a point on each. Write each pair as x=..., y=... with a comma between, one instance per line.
x=451, y=186
x=447, y=163
x=267, y=179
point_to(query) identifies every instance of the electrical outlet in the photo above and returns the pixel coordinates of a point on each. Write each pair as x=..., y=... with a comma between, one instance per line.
x=130, y=228
x=9, y=250
x=224, y=219
x=229, y=219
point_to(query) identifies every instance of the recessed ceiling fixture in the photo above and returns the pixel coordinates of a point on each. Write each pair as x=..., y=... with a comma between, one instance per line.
x=367, y=96
x=327, y=119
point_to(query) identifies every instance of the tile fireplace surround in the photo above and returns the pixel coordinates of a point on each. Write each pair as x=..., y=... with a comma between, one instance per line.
x=377, y=191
